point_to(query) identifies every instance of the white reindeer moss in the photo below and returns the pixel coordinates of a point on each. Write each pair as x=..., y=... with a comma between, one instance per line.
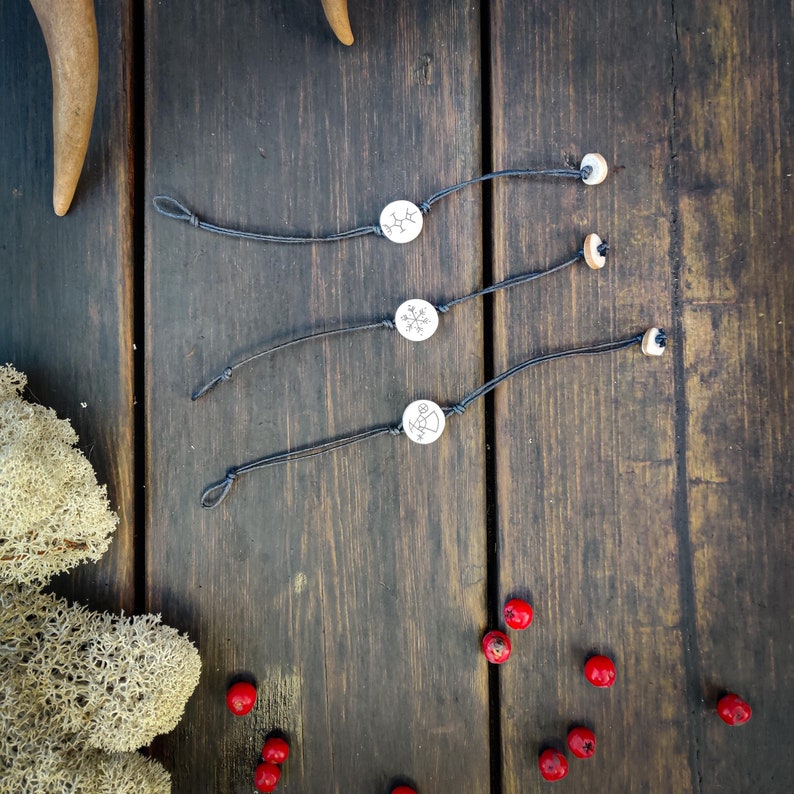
x=112, y=683
x=53, y=514
x=80, y=691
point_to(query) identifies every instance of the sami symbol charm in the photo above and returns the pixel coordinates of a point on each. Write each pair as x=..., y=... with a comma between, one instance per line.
x=416, y=320
x=423, y=421
x=401, y=221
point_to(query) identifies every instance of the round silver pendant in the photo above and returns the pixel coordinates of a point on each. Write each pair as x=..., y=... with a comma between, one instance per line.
x=401, y=221
x=416, y=319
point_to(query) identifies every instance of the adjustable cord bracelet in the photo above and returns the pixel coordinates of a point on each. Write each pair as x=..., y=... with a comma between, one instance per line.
x=417, y=319
x=400, y=221
x=423, y=421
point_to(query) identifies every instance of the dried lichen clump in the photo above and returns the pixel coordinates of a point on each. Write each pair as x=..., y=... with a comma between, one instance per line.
x=53, y=514
x=50, y=768
x=105, y=682
x=144, y=673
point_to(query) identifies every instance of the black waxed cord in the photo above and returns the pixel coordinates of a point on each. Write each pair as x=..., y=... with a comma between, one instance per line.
x=443, y=308
x=227, y=371
x=216, y=493
x=593, y=350
x=569, y=173
x=172, y=208
x=524, y=278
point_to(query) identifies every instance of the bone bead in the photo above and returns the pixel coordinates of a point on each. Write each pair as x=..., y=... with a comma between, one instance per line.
x=654, y=342
x=599, y=168
x=592, y=256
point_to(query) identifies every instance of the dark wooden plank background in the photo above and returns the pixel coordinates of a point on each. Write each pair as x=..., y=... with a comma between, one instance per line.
x=734, y=225
x=585, y=447
x=645, y=505
x=66, y=284
x=352, y=587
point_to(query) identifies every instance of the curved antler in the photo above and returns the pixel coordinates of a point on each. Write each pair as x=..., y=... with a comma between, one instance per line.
x=336, y=14
x=69, y=28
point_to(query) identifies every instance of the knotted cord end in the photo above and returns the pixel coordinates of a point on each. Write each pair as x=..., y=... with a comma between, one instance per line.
x=225, y=375
x=215, y=494
x=171, y=208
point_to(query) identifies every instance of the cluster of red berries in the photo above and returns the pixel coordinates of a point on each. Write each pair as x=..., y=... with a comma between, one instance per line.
x=268, y=772
x=240, y=699
x=600, y=672
x=496, y=644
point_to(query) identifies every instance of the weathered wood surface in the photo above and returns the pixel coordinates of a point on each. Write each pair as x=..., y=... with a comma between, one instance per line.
x=351, y=586
x=645, y=505
x=733, y=147
x=585, y=448
x=66, y=283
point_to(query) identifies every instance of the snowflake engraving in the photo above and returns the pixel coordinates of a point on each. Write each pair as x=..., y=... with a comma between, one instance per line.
x=415, y=320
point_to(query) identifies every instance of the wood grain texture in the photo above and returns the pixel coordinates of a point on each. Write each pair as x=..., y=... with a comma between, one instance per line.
x=734, y=163
x=351, y=586
x=585, y=448
x=66, y=283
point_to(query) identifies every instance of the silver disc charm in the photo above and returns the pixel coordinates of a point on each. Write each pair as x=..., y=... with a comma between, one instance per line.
x=416, y=319
x=401, y=221
x=423, y=421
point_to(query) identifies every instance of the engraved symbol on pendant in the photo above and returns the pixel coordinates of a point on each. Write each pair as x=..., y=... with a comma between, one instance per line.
x=401, y=221
x=416, y=319
x=423, y=421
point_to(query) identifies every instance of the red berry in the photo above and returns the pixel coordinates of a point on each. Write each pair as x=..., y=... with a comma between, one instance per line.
x=241, y=697
x=581, y=741
x=600, y=671
x=275, y=750
x=733, y=710
x=553, y=765
x=266, y=777
x=403, y=790
x=518, y=614
x=497, y=647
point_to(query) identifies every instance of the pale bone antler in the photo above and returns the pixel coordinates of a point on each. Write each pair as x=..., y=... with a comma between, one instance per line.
x=336, y=14
x=70, y=32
